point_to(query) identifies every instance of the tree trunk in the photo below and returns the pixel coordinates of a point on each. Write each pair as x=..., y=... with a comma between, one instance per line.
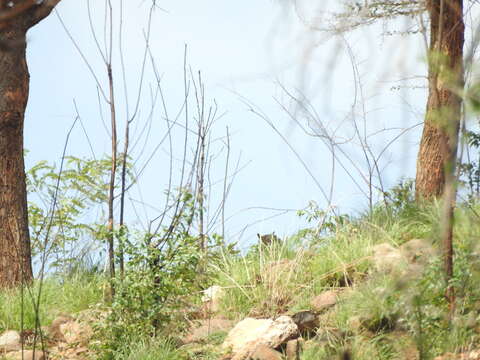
x=15, y=255
x=442, y=118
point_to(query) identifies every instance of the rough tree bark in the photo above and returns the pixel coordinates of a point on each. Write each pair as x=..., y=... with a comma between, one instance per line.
x=15, y=253
x=442, y=118
x=438, y=149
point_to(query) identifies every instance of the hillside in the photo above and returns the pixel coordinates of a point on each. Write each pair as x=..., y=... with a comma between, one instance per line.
x=369, y=287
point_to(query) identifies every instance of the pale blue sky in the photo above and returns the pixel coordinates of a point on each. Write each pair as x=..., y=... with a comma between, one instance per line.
x=247, y=48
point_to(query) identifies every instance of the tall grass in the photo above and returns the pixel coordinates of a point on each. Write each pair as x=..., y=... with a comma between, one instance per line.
x=57, y=296
x=270, y=279
x=279, y=278
x=149, y=349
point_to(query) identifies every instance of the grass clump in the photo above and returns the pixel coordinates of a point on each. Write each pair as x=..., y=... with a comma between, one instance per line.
x=69, y=296
x=149, y=349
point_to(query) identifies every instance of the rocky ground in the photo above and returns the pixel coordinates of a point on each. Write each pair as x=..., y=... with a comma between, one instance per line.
x=68, y=338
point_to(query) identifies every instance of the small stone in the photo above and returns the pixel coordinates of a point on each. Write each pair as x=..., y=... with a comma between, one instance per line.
x=324, y=301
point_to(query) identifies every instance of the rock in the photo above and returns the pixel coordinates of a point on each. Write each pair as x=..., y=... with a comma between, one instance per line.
x=212, y=298
x=10, y=337
x=387, y=259
x=418, y=251
x=76, y=333
x=306, y=321
x=324, y=301
x=249, y=333
x=10, y=341
x=263, y=352
x=54, y=329
x=293, y=350
x=26, y=355
x=415, y=253
x=206, y=327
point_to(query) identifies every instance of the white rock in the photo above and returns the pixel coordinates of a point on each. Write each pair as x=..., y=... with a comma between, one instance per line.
x=249, y=333
x=212, y=298
x=212, y=293
x=10, y=338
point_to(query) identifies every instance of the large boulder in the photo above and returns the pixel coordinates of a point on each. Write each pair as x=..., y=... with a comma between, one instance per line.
x=249, y=333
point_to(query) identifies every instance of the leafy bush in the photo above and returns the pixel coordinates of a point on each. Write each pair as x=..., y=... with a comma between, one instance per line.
x=164, y=274
x=67, y=234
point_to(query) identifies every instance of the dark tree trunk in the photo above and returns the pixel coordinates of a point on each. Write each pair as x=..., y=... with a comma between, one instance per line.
x=15, y=252
x=442, y=118
x=15, y=258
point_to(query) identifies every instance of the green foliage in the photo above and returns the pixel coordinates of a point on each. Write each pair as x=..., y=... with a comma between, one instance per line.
x=327, y=223
x=57, y=296
x=164, y=272
x=138, y=348
x=80, y=190
x=401, y=198
x=470, y=170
